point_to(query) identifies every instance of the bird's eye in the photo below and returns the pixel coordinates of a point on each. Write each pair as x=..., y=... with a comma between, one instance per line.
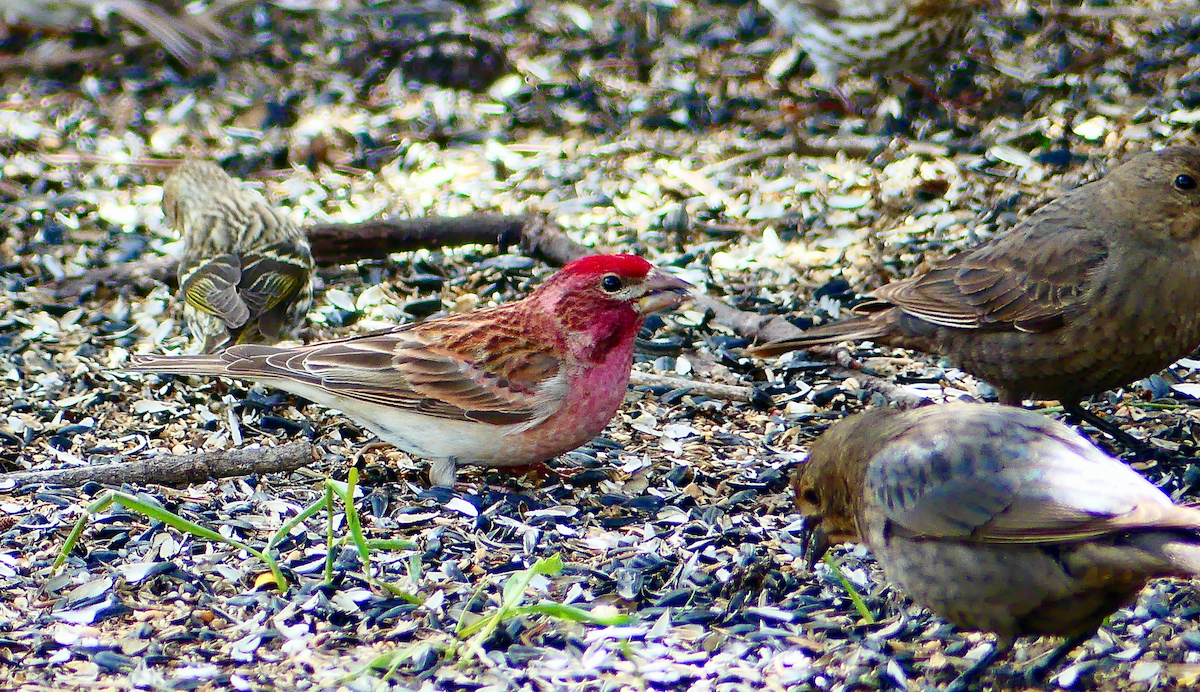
x=1185, y=182
x=810, y=496
x=611, y=283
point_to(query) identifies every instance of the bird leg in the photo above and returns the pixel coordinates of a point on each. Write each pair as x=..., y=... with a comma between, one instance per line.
x=441, y=473
x=1078, y=414
x=1038, y=673
x=964, y=680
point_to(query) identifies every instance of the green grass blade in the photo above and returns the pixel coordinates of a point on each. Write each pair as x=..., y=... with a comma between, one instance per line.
x=857, y=600
x=572, y=613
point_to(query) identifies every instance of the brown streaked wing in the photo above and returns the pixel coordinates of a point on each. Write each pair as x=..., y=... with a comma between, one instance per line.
x=487, y=363
x=1027, y=280
x=407, y=368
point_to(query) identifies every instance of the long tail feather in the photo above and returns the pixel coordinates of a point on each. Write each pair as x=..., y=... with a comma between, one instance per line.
x=854, y=329
x=180, y=365
x=1184, y=557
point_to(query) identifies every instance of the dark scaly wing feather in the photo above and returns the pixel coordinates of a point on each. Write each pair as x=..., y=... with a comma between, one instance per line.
x=999, y=475
x=212, y=286
x=271, y=278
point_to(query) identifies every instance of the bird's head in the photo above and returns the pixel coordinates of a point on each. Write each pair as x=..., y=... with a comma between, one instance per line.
x=1156, y=196
x=829, y=485
x=606, y=297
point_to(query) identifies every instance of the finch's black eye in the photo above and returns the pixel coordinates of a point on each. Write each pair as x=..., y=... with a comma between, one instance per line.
x=611, y=283
x=1185, y=182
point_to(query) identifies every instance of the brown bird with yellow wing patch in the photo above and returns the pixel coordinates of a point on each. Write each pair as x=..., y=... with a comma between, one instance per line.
x=246, y=272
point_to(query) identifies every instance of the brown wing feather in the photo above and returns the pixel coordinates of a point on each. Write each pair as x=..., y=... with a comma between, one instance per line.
x=271, y=279
x=446, y=369
x=1027, y=280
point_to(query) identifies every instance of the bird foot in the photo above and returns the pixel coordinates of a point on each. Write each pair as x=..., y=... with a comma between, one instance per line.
x=538, y=471
x=359, y=459
x=965, y=679
x=1038, y=674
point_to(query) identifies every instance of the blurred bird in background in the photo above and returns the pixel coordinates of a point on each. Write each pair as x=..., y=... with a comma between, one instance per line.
x=246, y=275
x=187, y=36
x=888, y=37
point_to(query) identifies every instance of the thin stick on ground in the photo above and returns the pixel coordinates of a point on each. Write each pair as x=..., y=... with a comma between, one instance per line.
x=177, y=470
x=345, y=243
x=727, y=392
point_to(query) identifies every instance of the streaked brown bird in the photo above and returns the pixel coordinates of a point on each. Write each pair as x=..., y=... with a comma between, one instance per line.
x=1096, y=289
x=246, y=275
x=996, y=519
x=874, y=36
x=185, y=35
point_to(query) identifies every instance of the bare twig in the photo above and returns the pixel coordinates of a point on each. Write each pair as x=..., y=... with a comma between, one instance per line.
x=748, y=325
x=154, y=269
x=343, y=243
x=37, y=62
x=814, y=146
x=727, y=392
x=177, y=470
x=893, y=393
x=339, y=243
x=537, y=236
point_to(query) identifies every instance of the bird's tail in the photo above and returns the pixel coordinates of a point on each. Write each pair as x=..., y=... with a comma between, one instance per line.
x=214, y=364
x=1173, y=550
x=861, y=328
x=1180, y=554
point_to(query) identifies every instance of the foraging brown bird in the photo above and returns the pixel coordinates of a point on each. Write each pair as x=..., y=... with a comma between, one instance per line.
x=246, y=275
x=996, y=519
x=1096, y=289
x=876, y=36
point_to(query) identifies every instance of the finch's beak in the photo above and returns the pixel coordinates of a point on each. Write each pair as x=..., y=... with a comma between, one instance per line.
x=662, y=291
x=815, y=541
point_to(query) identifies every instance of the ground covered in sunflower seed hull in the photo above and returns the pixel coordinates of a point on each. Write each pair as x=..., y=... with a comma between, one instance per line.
x=661, y=129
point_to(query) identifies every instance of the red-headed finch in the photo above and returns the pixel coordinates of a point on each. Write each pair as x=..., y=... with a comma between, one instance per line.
x=247, y=269
x=995, y=518
x=1096, y=289
x=510, y=385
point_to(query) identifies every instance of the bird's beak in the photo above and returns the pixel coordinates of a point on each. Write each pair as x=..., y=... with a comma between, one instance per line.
x=815, y=541
x=662, y=291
